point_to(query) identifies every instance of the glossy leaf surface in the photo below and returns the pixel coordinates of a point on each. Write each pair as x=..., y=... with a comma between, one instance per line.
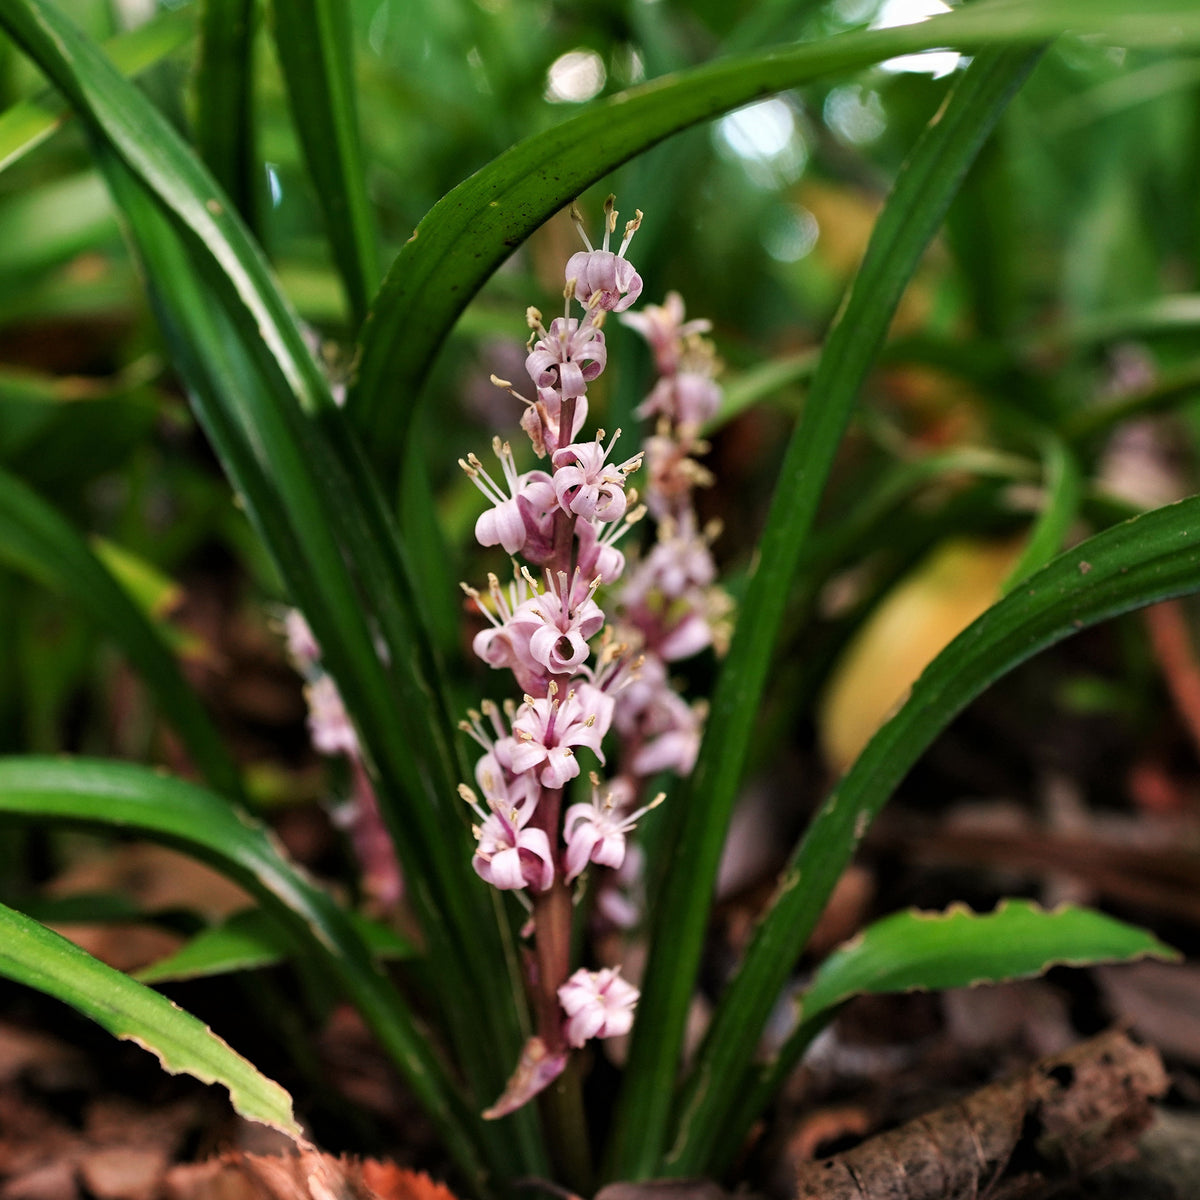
x=924, y=951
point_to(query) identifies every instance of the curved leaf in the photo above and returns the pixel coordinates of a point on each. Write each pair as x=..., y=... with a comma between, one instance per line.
x=153, y=150
x=1149, y=558
x=475, y=227
x=922, y=193
x=34, y=539
x=923, y=950
x=926, y=951
x=336, y=548
x=252, y=939
x=33, y=955
x=1063, y=485
x=315, y=51
x=124, y=796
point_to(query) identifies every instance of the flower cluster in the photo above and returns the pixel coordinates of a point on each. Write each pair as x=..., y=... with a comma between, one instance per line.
x=333, y=734
x=579, y=679
x=668, y=607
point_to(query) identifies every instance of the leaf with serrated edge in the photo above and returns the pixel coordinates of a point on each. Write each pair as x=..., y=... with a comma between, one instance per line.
x=916, y=951
x=33, y=955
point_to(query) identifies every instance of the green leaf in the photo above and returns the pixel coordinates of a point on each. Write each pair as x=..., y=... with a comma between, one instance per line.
x=35, y=540
x=316, y=53
x=153, y=150
x=475, y=227
x=926, y=950
x=1149, y=558
x=108, y=795
x=252, y=939
x=922, y=193
x=33, y=955
x=1063, y=484
x=915, y=951
x=26, y=125
x=226, y=121
x=317, y=516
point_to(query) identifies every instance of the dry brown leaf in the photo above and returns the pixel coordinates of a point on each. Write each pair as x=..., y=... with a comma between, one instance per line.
x=1065, y=1116
x=309, y=1175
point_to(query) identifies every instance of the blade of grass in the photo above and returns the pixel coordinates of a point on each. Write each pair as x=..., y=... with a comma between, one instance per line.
x=111, y=795
x=475, y=227
x=316, y=53
x=33, y=955
x=37, y=541
x=226, y=122
x=1147, y=559
x=912, y=215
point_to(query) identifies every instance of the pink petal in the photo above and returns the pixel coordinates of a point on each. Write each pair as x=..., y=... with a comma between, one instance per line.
x=536, y=1069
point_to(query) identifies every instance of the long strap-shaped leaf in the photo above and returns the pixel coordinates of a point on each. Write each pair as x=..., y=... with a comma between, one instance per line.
x=322, y=518
x=315, y=51
x=1150, y=558
x=226, y=122
x=474, y=228
x=154, y=152
x=314, y=514
x=31, y=954
x=36, y=540
x=124, y=796
x=913, y=213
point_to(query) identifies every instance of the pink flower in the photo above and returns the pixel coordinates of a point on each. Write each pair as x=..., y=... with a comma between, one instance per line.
x=664, y=328
x=690, y=634
x=566, y=357
x=688, y=398
x=679, y=560
x=586, y=484
x=597, y=553
x=548, y=730
x=598, y=1004
x=536, y=1069
x=505, y=645
x=595, y=831
x=328, y=722
x=558, y=622
x=301, y=645
x=509, y=856
x=604, y=280
x=672, y=730
x=517, y=513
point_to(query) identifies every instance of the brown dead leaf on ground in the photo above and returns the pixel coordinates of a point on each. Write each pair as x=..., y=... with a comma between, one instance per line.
x=1064, y=1117
x=309, y=1175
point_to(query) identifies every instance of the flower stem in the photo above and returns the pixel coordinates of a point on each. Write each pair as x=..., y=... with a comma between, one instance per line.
x=562, y=1101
